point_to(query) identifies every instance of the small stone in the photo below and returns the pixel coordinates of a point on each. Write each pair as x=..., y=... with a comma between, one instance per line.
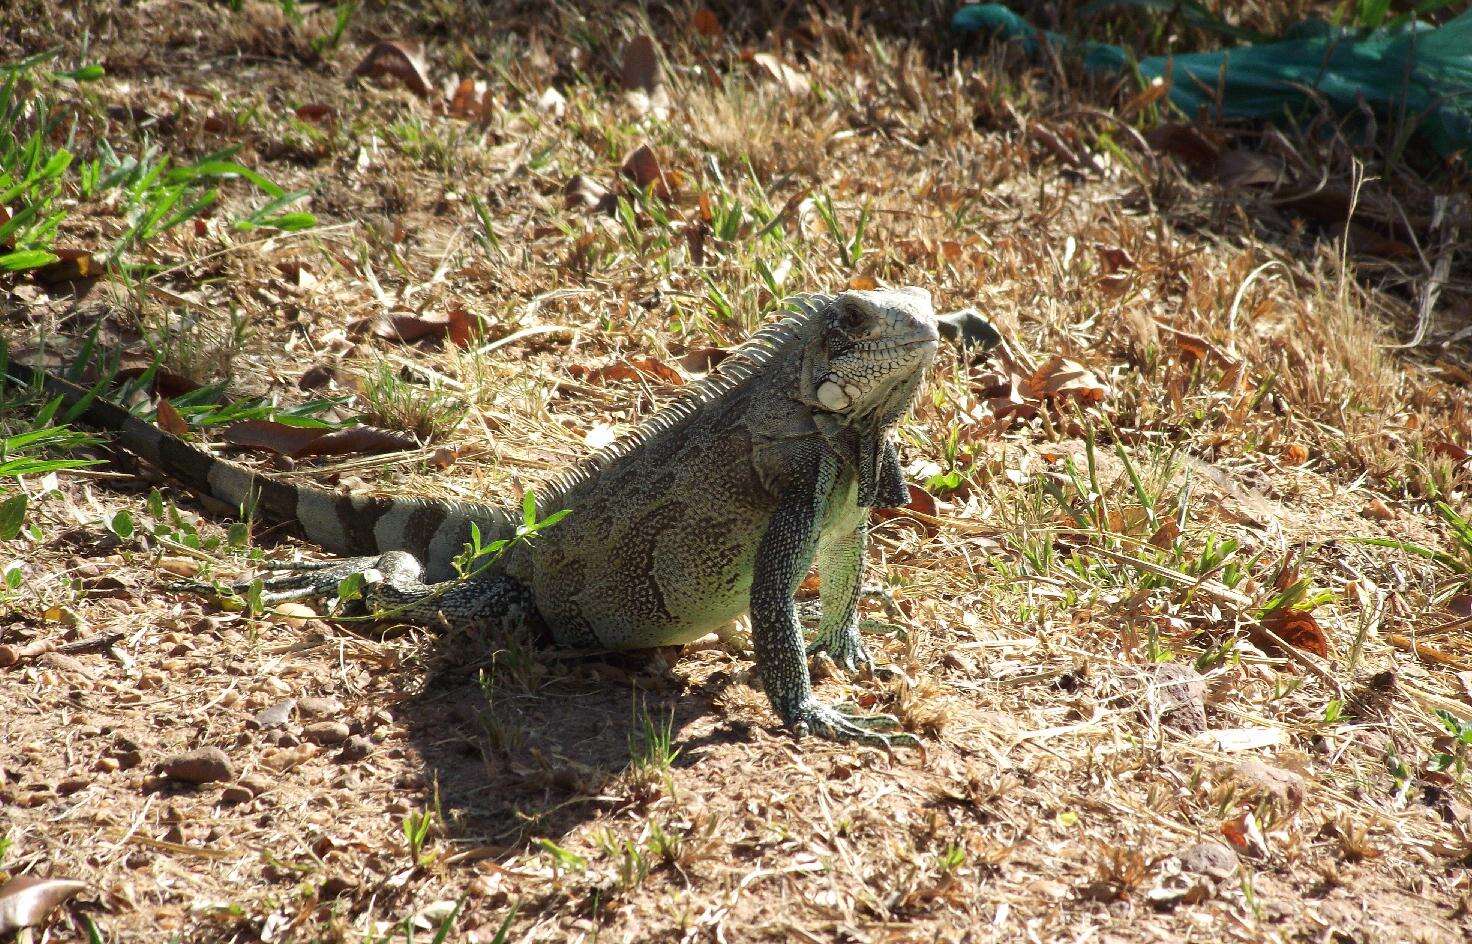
x=1285, y=786
x=274, y=716
x=205, y=765
x=318, y=707
x=235, y=793
x=1179, y=692
x=1211, y=859
x=128, y=759
x=355, y=749
x=256, y=784
x=71, y=785
x=326, y=732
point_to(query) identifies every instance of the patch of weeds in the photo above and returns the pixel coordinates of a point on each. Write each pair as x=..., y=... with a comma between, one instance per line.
x=418, y=827
x=394, y=403
x=195, y=349
x=502, y=733
x=632, y=863
x=1454, y=749
x=563, y=860
x=44, y=182
x=652, y=755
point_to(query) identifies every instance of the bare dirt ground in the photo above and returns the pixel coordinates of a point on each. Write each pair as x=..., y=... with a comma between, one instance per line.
x=1097, y=529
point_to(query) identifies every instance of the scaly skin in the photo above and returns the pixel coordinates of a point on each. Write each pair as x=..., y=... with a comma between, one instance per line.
x=718, y=505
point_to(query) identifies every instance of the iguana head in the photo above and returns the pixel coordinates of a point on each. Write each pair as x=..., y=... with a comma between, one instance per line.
x=870, y=358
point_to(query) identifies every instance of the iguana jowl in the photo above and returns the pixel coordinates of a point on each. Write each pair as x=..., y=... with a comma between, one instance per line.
x=717, y=505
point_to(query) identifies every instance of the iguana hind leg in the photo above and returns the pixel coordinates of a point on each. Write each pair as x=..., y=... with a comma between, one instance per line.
x=393, y=588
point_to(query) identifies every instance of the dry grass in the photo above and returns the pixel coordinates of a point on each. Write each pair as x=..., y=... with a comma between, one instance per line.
x=1263, y=416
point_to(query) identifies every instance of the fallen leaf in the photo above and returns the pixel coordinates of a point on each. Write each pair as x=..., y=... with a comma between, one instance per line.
x=462, y=325
x=920, y=502
x=469, y=100
x=27, y=900
x=169, y=419
x=390, y=58
x=1242, y=168
x=316, y=376
x=410, y=328
x=1377, y=510
x=702, y=360
x=444, y=457
x=1295, y=453
x=70, y=265
x=1298, y=628
x=705, y=23
x=789, y=78
x=1165, y=536
x=1186, y=142
x=643, y=168
x=359, y=440
x=638, y=368
x=1059, y=377
x=1114, y=258
x=165, y=383
x=862, y=283
x=1448, y=449
x=317, y=114
x=640, y=68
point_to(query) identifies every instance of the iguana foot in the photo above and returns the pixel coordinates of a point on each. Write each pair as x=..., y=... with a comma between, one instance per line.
x=846, y=648
x=837, y=724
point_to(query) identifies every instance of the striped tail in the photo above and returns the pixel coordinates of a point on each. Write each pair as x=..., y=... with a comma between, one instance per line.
x=433, y=531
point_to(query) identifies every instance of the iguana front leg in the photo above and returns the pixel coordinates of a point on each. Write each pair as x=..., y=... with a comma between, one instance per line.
x=783, y=556
x=841, y=576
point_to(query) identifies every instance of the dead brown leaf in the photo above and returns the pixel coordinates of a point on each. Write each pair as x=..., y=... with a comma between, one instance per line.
x=400, y=61
x=410, y=328
x=165, y=383
x=702, y=360
x=70, y=265
x=316, y=114
x=635, y=369
x=643, y=168
x=920, y=503
x=706, y=23
x=1298, y=628
x=1242, y=168
x=469, y=100
x=1059, y=378
x=640, y=68
x=1185, y=142
x=28, y=900
x=169, y=419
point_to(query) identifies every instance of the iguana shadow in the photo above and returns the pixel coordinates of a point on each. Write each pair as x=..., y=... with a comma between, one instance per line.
x=525, y=744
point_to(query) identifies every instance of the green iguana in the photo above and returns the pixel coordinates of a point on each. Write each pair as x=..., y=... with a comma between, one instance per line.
x=717, y=505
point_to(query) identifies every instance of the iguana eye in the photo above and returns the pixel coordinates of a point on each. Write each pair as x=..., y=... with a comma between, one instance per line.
x=850, y=316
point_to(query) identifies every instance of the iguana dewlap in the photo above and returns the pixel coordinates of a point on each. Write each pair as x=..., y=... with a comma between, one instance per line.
x=717, y=505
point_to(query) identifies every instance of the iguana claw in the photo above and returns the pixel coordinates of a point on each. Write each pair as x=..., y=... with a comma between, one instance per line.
x=836, y=724
x=846, y=649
